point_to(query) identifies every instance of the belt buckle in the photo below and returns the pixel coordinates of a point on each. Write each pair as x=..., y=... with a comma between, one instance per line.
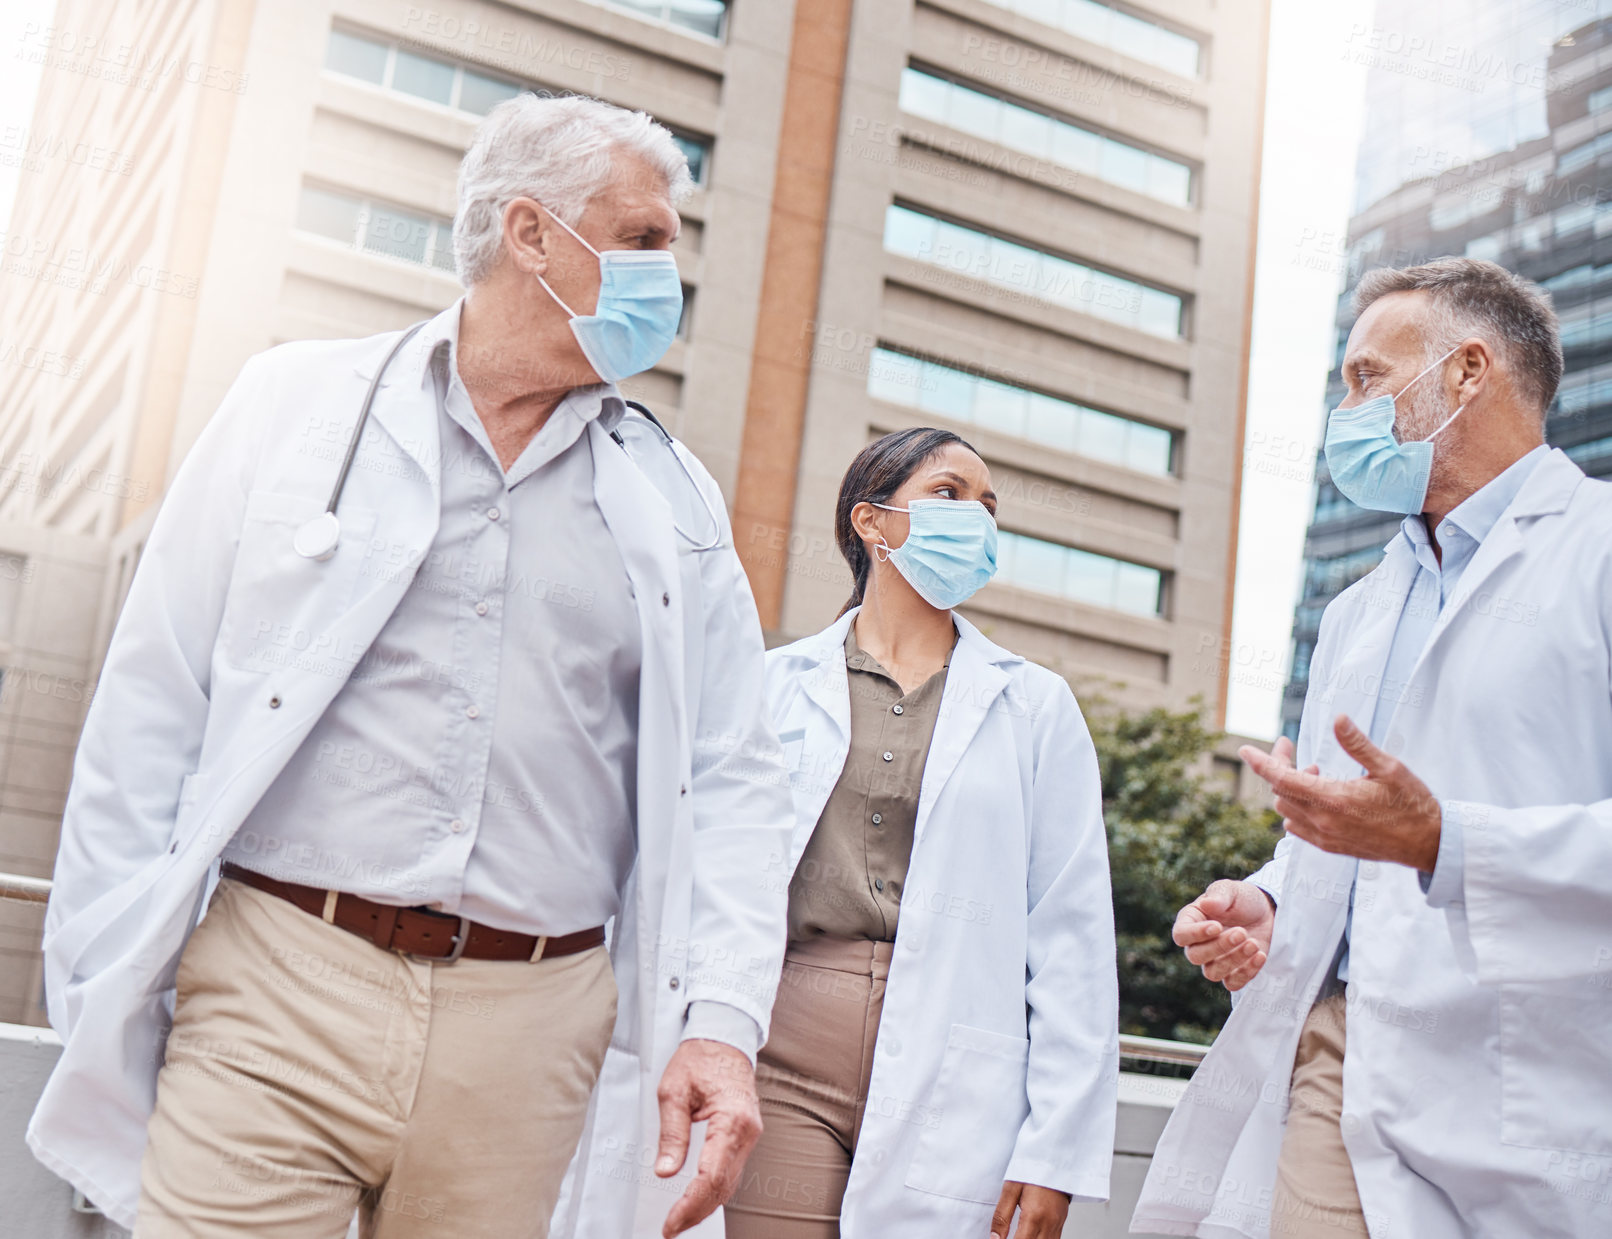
x=458, y=949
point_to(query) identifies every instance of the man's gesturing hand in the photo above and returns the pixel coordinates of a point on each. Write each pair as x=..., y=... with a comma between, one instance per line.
x=1388, y=815
x=1227, y=931
x=706, y=1080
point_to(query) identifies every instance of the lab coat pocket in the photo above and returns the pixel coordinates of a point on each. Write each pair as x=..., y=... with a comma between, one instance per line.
x=192, y=790
x=1555, y=1089
x=280, y=604
x=979, y=1102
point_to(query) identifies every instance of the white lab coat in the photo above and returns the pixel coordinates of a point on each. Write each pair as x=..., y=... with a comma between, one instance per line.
x=1477, y=1073
x=997, y=1054
x=230, y=646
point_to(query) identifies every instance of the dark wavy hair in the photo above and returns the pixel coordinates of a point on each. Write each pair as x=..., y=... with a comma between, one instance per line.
x=879, y=470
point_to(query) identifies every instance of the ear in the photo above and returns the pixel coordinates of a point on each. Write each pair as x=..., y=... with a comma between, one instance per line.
x=528, y=234
x=865, y=520
x=1475, y=362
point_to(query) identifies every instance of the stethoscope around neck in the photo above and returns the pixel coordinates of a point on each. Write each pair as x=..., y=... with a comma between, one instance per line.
x=318, y=538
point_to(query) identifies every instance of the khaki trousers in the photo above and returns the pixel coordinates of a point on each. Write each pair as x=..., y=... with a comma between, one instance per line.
x=1315, y=1195
x=812, y=1076
x=310, y=1073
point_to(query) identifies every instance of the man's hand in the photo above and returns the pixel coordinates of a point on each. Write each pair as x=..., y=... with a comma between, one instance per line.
x=1388, y=815
x=1226, y=931
x=706, y=1080
x=1041, y=1211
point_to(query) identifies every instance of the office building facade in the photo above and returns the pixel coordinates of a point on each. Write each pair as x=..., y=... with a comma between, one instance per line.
x=1488, y=133
x=1030, y=221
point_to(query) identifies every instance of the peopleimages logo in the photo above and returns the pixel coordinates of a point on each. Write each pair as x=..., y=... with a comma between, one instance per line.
x=1417, y=55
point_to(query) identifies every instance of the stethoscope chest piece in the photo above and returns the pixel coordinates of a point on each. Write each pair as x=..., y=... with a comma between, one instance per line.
x=316, y=539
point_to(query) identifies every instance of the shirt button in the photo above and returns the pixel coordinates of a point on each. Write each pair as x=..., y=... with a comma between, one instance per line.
x=889, y=757
x=472, y=712
x=895, y=709
x=673, y=983
x=878, y=818
x=878, y=884
x=481, y=608
x=492, y=514
x=457, y=825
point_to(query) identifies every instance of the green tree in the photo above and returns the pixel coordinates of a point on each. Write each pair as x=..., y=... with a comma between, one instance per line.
x=1170, y=833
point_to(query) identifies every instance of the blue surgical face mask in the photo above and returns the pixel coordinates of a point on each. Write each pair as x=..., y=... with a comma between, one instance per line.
x=1371, y=467
x=950, y=551
x=640, y=305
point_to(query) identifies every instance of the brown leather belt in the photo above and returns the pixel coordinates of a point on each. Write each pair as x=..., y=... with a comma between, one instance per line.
x=427, y=935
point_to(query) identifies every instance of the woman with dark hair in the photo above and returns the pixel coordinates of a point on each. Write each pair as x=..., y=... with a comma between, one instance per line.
x=943, y=1051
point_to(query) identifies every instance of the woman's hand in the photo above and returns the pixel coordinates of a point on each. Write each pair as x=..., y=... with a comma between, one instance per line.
x=1041, y=1211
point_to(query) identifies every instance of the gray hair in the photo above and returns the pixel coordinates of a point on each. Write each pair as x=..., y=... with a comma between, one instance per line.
x=558, y=151
x=1472, y=297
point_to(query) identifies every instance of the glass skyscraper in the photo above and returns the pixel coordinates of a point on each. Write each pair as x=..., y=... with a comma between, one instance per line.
x=1488, y=132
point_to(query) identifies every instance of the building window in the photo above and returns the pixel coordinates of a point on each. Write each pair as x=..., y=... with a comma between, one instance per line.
x=1584, y=155
x=453, y=84
x=1045, y=137
x=16, y=574
x=917, y=383
x=698, y=153
x=1327, y=577
x=1112, y=27
x=376, y=227
x=707, y=17
x=1031, y=272
x=1585, y=326
x=431, y=78
x=1586, y=454
x=1081, y=576
x=1599, y=99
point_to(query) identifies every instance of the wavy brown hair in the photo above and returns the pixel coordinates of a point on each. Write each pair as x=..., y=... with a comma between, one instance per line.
x=878, y=472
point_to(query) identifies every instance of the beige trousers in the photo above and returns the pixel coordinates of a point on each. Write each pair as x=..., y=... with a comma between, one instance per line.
x=1315, y=1195
x=310, y=1073
x=812, y=1076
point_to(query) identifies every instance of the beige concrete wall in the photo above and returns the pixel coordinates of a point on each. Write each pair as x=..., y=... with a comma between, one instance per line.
x=50, y=583
x=1184, y=525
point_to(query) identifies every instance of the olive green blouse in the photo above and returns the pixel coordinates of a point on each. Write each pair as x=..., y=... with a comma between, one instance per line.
x=849, y=880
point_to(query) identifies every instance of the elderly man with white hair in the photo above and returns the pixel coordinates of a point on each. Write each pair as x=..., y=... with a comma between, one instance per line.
x=438, y=662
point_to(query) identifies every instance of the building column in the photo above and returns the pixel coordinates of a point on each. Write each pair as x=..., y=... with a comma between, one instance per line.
x=775, y=408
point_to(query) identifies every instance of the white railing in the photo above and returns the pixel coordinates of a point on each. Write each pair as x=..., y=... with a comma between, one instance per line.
x=1156, y=1050
x=15, y=887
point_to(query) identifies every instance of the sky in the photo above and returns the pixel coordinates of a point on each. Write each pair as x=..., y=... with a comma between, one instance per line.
x=19, y=80
x=1315, y=94
x=1312, y=122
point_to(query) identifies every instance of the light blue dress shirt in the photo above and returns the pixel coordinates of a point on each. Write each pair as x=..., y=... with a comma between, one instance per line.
x=1437, y=576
